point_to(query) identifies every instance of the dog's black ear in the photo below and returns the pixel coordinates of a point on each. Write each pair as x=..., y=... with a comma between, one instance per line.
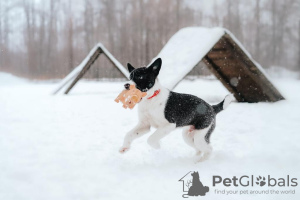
x=130, y=68
x=155, y=66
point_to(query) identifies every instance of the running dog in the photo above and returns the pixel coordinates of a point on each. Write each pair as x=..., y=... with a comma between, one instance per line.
x=166, y=110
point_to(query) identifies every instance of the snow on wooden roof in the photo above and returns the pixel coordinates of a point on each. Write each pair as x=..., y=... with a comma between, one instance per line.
x=224, y=55
x=184, y=51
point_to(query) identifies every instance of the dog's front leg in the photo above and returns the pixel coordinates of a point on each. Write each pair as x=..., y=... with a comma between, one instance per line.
x=161, y=132
x=137, y=131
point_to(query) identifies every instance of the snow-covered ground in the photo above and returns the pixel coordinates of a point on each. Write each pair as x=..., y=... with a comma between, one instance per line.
x=66, y=147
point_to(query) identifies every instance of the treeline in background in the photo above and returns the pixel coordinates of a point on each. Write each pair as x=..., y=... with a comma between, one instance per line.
x=46, y=39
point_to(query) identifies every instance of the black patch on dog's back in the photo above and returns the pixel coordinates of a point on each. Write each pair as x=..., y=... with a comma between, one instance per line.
x=185, y=109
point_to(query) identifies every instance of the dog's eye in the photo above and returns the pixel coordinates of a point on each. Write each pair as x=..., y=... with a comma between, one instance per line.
x=140, y=77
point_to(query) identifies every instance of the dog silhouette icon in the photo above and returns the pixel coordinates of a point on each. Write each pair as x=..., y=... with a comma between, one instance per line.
x=193, y=187
x=197, y=187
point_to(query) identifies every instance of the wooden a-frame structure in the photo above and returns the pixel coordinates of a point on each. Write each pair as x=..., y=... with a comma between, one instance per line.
x=86, y=64
x=224, y=56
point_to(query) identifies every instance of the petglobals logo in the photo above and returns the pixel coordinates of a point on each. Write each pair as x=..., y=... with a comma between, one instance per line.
x=246, y=181
x=193, y=185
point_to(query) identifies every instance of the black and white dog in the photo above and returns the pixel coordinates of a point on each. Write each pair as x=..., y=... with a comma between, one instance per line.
x=166, y=110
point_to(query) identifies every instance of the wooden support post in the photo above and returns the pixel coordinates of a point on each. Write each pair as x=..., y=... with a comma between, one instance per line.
x=84, y=69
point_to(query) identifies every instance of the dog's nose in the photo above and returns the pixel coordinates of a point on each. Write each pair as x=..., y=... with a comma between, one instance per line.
x=127, y=86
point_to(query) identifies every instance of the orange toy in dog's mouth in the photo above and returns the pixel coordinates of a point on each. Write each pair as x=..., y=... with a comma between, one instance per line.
x=130, y=97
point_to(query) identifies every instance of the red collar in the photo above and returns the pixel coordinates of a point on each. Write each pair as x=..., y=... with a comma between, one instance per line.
x=155, y=94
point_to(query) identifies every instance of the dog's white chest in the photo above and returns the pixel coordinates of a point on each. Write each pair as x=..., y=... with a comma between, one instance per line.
x=157, y=116
x=154, y=111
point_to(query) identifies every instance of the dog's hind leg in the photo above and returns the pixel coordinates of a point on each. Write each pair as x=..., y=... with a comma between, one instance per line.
x=188, y=133
x=141, y=129
x=202, y=144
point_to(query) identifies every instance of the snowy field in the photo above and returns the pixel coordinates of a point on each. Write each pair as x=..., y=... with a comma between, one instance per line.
x=66, y=147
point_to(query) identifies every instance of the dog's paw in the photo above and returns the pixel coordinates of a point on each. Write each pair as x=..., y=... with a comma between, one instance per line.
x=154, y=144
x=123, y=149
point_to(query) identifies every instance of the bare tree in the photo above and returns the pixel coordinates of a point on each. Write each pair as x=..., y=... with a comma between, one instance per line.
x=274, y=35
x=58, y=34
x=88, y=24
x=1, y=45
x=257, y=36
x=30, y=18
x=299, y=46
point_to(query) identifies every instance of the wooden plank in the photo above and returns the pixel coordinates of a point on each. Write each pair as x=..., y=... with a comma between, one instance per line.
x=268, y=88
x=238, y=73
x=237, y=82
x=243, y=87
x=221, y=44
x=84, y=69
x=220, y=55
x=224, y=80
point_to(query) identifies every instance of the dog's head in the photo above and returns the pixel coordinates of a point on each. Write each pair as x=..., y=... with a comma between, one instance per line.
x=144, y=77
x=195, y=175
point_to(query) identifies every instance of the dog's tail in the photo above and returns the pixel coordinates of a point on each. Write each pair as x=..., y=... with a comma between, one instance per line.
x=223, y=104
